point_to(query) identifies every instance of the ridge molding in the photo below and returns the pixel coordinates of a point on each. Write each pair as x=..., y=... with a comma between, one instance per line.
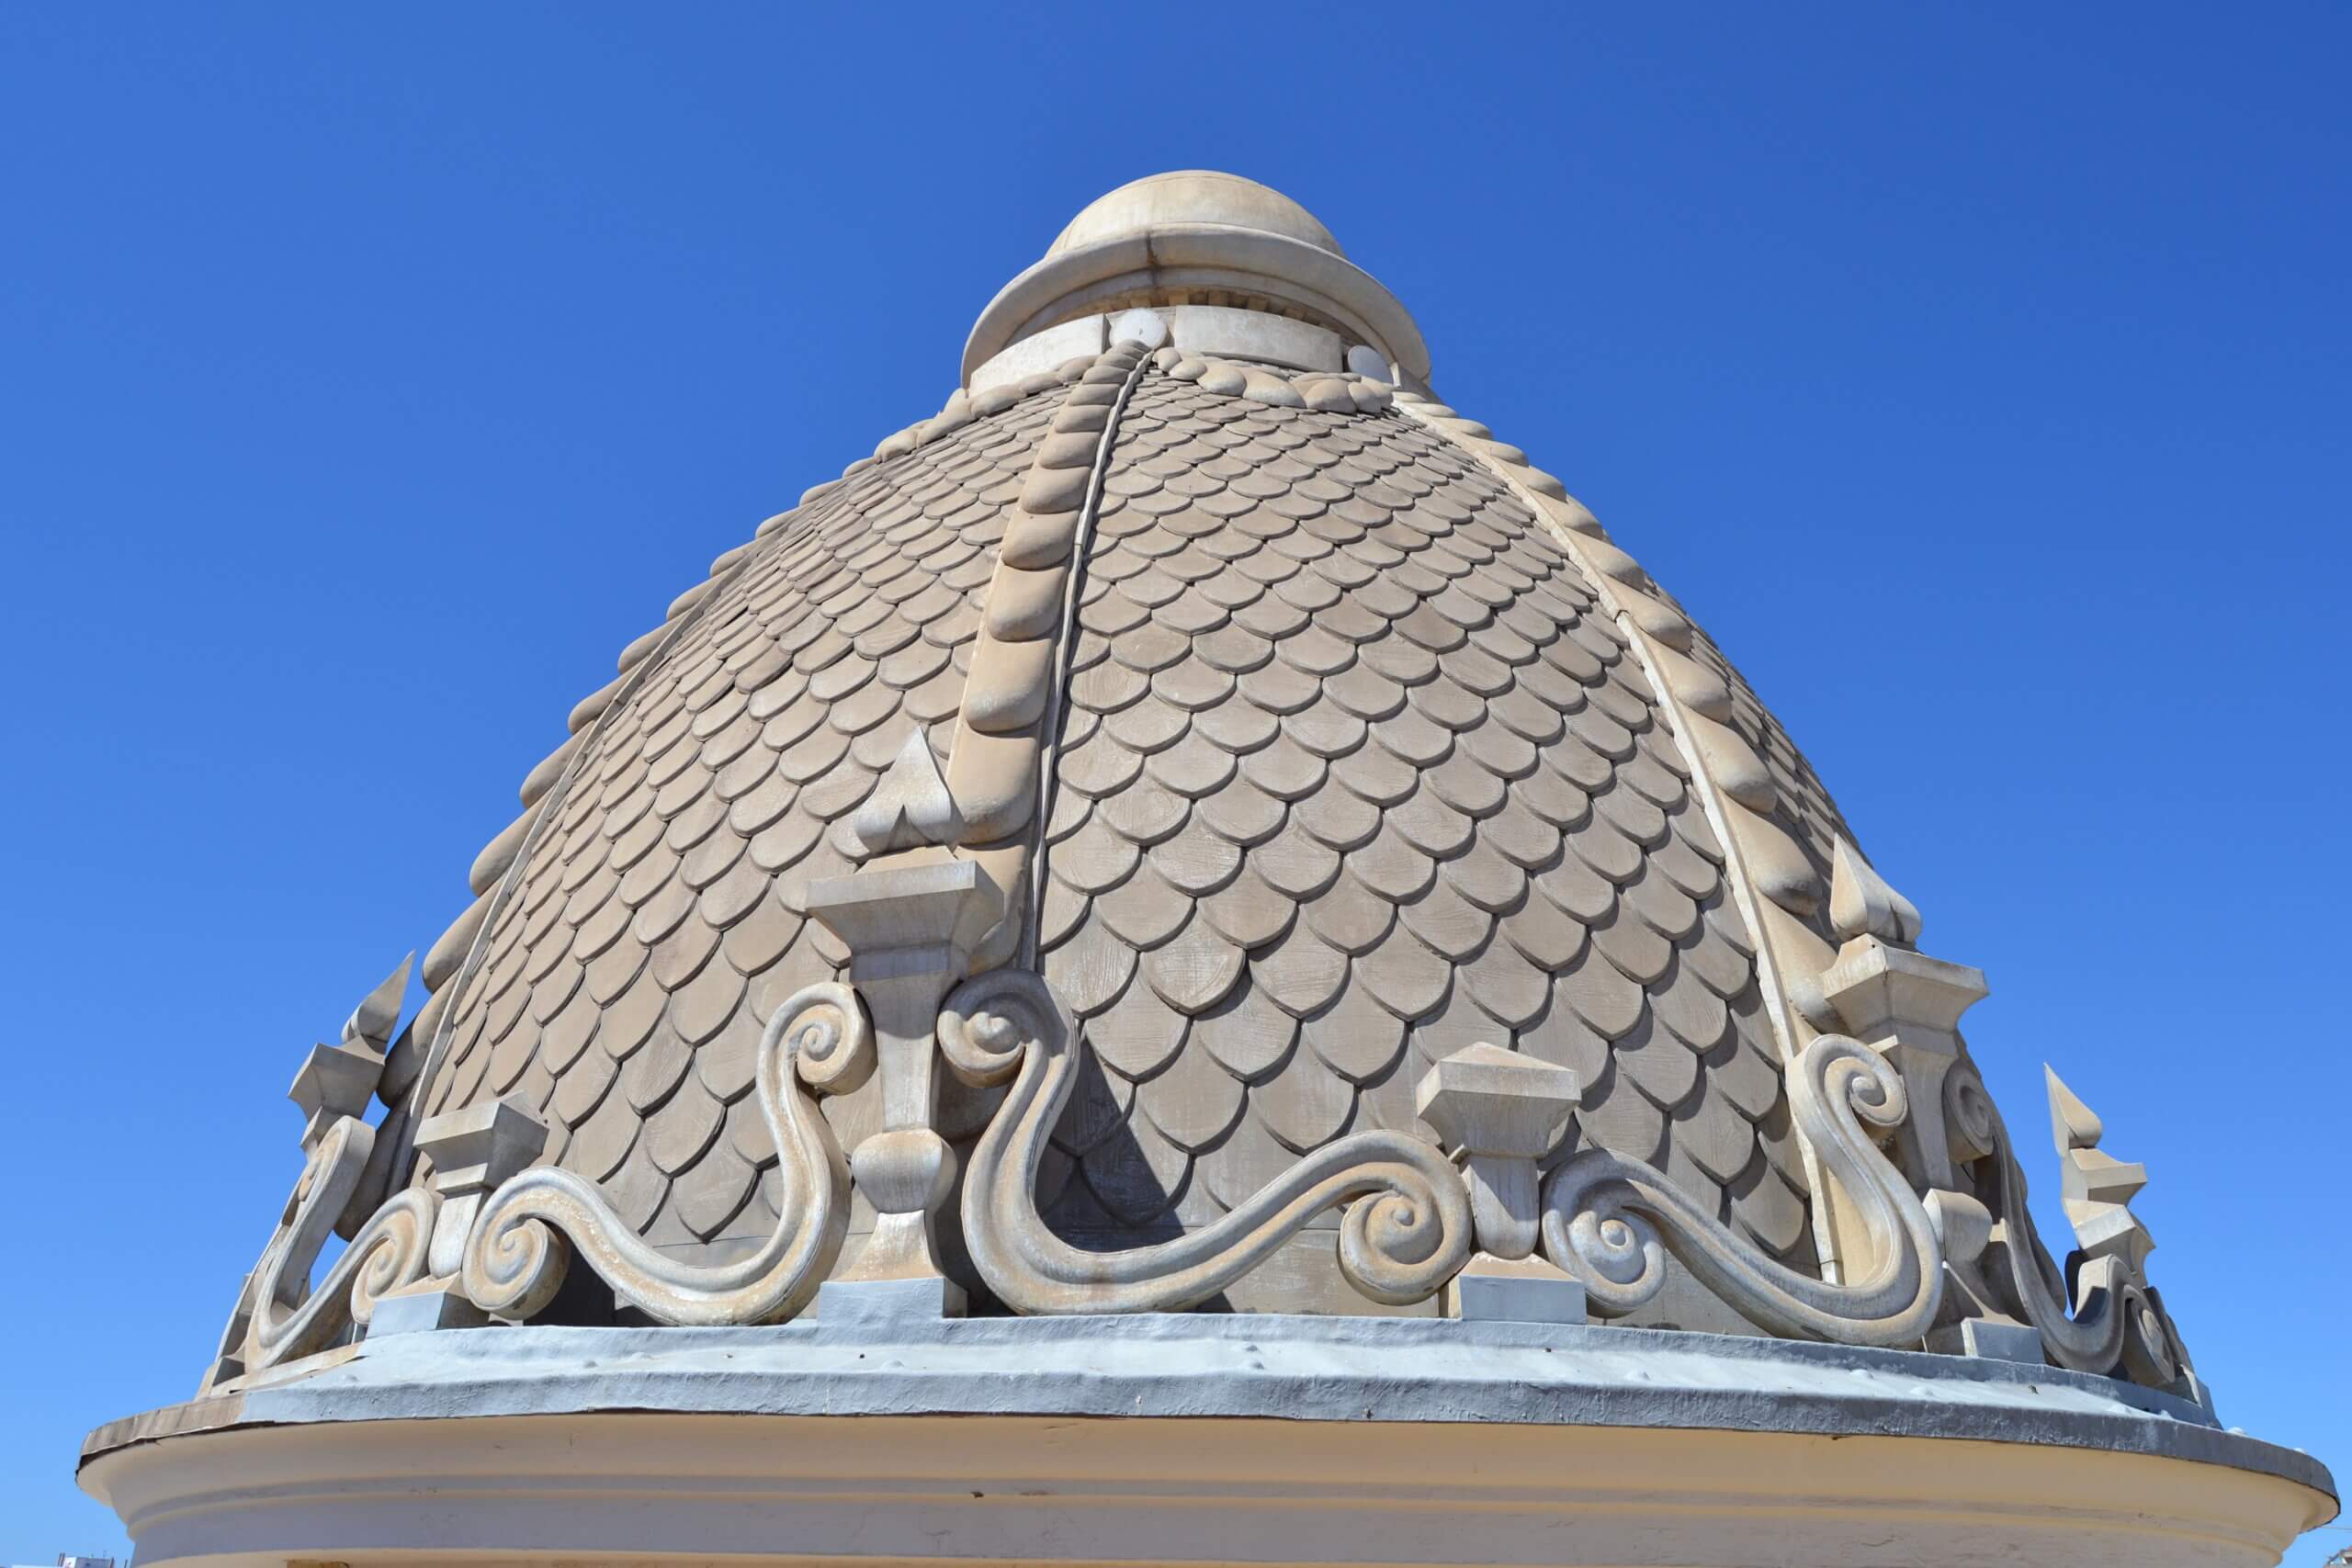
x=2003, y=1296
x=1652, y=630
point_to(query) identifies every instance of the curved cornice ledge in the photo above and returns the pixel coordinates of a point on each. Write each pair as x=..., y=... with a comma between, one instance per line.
x=708, y=1440
x=1200, y=257
x=1293, y=1368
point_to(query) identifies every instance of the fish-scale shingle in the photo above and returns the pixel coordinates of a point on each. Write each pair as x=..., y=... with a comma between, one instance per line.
x=1359, y=768
x=1354, y=772
x=650, y=933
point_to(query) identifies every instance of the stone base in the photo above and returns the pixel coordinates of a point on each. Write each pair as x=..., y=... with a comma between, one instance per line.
x=1999, y=1341
x=883, y=1302
x=1526, y=1290
x=2196, y=1392
x=423, y=1308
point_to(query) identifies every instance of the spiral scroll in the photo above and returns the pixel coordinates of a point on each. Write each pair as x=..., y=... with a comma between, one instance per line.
x=1406, y=1233
x=291, y=1318
x=515, y=1258
x=2117, y=1321
x=1610, y=1221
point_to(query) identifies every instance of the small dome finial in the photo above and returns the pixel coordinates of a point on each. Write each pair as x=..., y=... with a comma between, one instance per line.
x=1192, y=198
x=1195, y=239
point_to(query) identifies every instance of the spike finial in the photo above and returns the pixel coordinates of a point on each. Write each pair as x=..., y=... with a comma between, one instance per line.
x=2098, y=1188
x=370, y=1023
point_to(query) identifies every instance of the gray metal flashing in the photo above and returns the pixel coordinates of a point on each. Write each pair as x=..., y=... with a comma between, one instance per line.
x=1195, y=1365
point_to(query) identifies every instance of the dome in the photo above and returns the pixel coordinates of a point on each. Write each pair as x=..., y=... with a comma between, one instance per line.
x=1196, y=883
x=1191, y=198
x=1243, y=268
x=1356, y=769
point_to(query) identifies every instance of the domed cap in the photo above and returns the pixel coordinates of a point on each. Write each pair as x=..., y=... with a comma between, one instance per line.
x=1192, y=198
x=1200, y=241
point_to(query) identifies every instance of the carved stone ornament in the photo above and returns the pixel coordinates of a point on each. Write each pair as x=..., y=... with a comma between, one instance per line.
x=2117, y=1326
x=1500, y=1111
x=514, y=1258
x=291, y=1318
x=279, y=1314
x=1609, y=1220
x=1405, y=1231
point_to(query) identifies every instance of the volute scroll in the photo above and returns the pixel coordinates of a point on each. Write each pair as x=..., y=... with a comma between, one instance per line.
x=2100, y=1314
x=1612, y=1221
x=279, y=1314
x=1407, y=1229
x=290, y=1318
x=521, y=1244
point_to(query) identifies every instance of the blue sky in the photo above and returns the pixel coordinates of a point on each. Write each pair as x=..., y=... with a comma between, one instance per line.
x=1978, y=376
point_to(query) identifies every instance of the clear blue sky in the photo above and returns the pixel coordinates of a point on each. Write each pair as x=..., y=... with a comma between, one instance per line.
x=1978, y=376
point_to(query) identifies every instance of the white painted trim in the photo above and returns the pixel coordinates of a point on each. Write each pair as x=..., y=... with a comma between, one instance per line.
x=1204, y=330
x=1195, y=1436
x=1040, y=351
x=1203, y=255
x=901, y=1489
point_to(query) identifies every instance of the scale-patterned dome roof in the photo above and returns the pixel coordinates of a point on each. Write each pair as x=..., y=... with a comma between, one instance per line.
x=1357, y=765
x=1196, y=823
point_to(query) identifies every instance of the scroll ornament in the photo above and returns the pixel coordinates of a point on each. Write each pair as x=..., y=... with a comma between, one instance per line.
x=292, y=1319
x=2116, y=1324
x=519, y=1249
x=1610, y=1221
x=1405, y=1231
x=280, y=1316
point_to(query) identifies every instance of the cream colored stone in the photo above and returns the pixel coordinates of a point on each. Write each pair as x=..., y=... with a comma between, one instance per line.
x=1035, y=543
x=1356, y=767
x=1025, y=604
x=1734, y=766
x=1007, y=687
x=994, y=781
x=1049, y=491
x=1075, y=450
x=1010, y=1489
x=1196, y=196
x=473, y=1151
x=1694, y=686
x=1861, y=902
x=1226, y=380
x=1907, y=1006
x=1261, y=388
x=2098, y=1188
x=498, y=853
x=1203, y=330
x=910, y=806
x=1146, y=329
x=449, y=950
x=1039, y=352
x=1191, y=237
x=1500, y=1111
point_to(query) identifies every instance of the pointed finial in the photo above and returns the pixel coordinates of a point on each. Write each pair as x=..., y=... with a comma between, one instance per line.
x=370, y=1023
x=1862, y=903
x=2097, y=1189
x=2073, y=1124
x=910, y=806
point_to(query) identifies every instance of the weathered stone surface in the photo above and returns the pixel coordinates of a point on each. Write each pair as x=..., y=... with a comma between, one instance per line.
x=1358, y=764
x=1406, y=773
x=661, y=915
